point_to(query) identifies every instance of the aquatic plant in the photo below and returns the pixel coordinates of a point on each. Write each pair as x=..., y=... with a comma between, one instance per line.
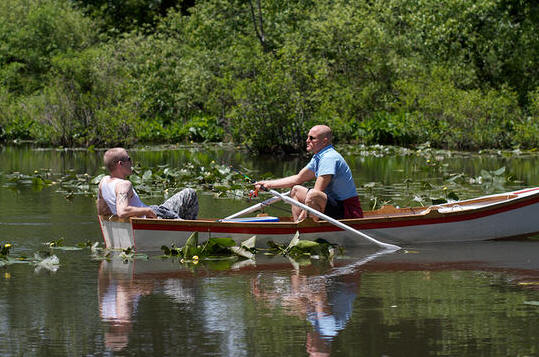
x=6, y=258
x=213, y=248
x=226, y=248
x=4, y=250
x=59, y=245
x=129, y=254
x=298, y=248
x=218, y=179
x=41, y=259
x=215, y=178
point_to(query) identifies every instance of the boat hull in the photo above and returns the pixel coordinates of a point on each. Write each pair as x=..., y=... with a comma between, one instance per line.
x=490, y=217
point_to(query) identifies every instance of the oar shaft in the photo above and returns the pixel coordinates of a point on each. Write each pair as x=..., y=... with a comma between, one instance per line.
x=332, y=220
x=256, y=207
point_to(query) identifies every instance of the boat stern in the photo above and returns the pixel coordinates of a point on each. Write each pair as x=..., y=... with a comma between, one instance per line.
x=117, y=233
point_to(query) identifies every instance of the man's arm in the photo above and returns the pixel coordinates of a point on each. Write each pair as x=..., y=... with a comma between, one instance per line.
x=322, y=182
x=124, y=192
x=303, y=176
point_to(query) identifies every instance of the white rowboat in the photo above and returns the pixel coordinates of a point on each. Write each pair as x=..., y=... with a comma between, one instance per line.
x=499, y=216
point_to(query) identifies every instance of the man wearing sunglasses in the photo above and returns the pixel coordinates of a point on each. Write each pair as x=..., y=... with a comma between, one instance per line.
x=334, y=191
x=116, y=195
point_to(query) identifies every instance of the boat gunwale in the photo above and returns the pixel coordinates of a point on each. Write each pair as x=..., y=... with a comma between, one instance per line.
x=427, y=215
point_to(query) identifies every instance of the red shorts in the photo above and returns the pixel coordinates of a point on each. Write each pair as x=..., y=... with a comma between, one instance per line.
x=352, y=208
x=349, y=208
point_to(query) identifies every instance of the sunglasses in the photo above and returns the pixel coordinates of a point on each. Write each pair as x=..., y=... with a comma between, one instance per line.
x=311, y=138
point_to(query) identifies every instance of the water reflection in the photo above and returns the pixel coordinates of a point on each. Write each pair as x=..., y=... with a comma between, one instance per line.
x=325, y=301
x=317, y=306
x=119, y=295
x=326, y=305
x=321, y=294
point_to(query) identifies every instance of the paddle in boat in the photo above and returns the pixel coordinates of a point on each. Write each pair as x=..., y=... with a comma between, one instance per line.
x=499, y=216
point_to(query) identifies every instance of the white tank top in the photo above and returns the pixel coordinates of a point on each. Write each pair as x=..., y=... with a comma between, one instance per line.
x=108, y=192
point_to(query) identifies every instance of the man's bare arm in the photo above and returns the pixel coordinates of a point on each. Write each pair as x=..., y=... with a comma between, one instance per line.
x=322, y=182
x=124, y=192
x=303, y=176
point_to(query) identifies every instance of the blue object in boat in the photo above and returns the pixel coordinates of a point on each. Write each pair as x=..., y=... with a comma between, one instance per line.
x=254, y=219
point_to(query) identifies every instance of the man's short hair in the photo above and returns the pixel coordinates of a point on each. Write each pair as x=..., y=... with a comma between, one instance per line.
x=112, y=156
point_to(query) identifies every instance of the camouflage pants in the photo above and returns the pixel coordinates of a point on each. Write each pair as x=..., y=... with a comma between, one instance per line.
x=183, y=205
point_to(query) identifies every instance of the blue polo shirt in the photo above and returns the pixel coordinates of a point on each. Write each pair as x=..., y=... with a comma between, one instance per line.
x=329, y=162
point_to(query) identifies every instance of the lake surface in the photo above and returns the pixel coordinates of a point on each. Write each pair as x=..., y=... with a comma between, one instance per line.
x=445, y=299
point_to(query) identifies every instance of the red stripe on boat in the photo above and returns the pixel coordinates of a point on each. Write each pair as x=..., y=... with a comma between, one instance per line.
x=291, y=229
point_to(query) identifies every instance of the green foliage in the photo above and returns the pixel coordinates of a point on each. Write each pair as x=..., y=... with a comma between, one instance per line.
x=125, y=15
x=484, y=44
x=197, y=129
x=456, y=118
x=226, y=248
x=32, y=32
x=213, y=248
x=459, y=74
x=274, y=109
x=302, y=250
x=214, y=177
x=386, y=128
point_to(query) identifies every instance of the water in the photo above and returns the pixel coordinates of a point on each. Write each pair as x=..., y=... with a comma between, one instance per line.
x=445, y=299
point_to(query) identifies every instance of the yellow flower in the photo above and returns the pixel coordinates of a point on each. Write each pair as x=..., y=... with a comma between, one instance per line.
x=7, y=245
x=195, y=257
x=7, y=275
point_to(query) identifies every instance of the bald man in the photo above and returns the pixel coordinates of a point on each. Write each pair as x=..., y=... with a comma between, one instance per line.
x=334, y=191
x=116, y=195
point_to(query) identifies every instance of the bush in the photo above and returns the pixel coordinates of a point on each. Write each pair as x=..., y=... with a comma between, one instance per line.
x=34, y=31
x=275, y=109
x=400, y=72
x=457, y=118
x=388, y=129
x=84, y=101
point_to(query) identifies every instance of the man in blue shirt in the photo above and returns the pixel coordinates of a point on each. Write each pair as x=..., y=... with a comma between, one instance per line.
x=334, y=191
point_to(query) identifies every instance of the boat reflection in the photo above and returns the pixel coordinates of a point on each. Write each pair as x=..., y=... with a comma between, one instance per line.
x=321, y=294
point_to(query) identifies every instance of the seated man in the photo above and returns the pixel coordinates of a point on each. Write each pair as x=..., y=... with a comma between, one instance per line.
x=117, y=196
x=334, y=191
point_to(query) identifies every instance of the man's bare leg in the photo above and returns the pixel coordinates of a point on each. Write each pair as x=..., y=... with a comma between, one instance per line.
x=299, y=193
x=312, y=198
x=316, y=199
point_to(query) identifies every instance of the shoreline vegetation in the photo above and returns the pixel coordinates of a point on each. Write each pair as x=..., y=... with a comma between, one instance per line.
x=95, y=73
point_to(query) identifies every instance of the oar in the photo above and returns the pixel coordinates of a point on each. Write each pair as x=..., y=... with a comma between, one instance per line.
x=331, y=220
x=256, y=207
